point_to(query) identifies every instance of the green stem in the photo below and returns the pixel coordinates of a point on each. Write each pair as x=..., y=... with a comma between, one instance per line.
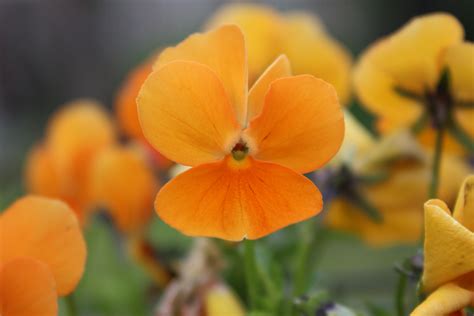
x=400, y=295
x=251, y=273
x=71, y=305
x=438, y=150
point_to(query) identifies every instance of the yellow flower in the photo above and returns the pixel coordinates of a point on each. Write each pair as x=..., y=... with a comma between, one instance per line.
x=422, y=77
x=391, y=177
x=449, y=255
x=300, y=36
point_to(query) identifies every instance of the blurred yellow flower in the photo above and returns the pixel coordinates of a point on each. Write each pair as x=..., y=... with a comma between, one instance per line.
x=449, y=255
x=59, y=166
x=422, y=77
x=298, y=35
x=382, y=185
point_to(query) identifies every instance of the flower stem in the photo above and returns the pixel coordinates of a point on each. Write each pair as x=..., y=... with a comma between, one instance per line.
x=438, y=150
x=251, y=273
x=71, y=305
x=400, y=295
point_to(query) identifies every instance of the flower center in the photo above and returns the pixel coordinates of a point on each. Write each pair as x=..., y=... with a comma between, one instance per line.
x=240, y=151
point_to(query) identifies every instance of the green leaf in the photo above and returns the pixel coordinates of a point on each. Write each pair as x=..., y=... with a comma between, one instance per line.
x=461, y=136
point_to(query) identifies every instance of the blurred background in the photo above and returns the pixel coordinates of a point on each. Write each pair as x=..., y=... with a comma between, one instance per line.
x=55, y=51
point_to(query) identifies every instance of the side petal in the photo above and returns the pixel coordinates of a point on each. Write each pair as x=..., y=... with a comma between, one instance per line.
x=40, y=175
x=449, y=247
x=376, y=90
x=278, y=69
x=459, y=59
x=232, y=200
x=27, y=288
x=446, y=300
x=186, y=115
x=464, y=208
x=301, y=125
x=46, y=230
x=123, y=182
x=222, y=50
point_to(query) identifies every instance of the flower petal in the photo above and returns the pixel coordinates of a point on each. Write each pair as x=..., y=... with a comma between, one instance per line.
x=186, y=115
x=27, y=288
x=260, y=25
x=123, y=182
x=449, y=247
x=125, y=103
x=278, y=69
x=232, y=200
x=411, y=56
x=460, y=61
x=48, y=231
x=376, y=90
x=301, y=125
x=222, y=50
x=464, y=209
x=305, y=37
x=446, y=300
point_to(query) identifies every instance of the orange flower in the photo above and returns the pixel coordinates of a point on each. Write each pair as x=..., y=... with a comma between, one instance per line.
x=422, y=77
x=123, y=182
x=44, y=256
x=298, y=35
x=248, y=149
x=59, y=167
x=126, y=110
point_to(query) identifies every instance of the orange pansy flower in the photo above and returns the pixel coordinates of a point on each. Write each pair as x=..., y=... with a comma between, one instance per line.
x=422, y=77
x=42, y=256
x=59, y=167
x=448, y=274
x=248, y=149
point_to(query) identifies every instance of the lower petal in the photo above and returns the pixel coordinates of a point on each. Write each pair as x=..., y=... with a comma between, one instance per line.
x=232, y=200
x=27, y=287
x=447, y=299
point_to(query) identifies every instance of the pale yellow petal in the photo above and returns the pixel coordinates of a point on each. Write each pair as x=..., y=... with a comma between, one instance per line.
x=459, y=59
x=464, y=209
x=446, y=300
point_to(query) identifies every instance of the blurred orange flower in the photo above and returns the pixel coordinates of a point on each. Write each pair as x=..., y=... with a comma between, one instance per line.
x=126, y=110
x=390, y=177
x=422, y=77
x=43, y=255
x=123, y=182
x=247, y=149
x=298, y=35
x=449, y=255
x=59, y=167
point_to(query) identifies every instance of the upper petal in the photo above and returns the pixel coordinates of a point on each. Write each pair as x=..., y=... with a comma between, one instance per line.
x=27, y=288
x=411, y=56
x=232, y=200
x=301, y=125
x=222, y=50
x=464, y=209
x=305, y=37
x=261, y=27
x=123, y=182
x=447, y=300
x=278, y=69
x=449, y=247
x=185, y=113
x=47, y=230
